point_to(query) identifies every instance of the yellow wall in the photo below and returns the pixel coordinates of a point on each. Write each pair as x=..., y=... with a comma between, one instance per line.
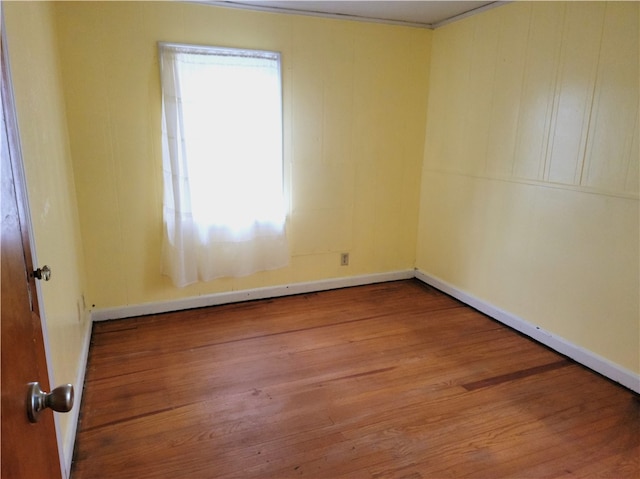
x=530, y=176
x=529, y=196
x=45, y=147
x=355, y=105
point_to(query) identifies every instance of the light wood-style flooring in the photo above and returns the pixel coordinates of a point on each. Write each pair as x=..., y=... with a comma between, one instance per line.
x=393, y=380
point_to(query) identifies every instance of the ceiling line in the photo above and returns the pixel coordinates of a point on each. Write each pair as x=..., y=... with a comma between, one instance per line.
x=345, y=16
x=468, y=13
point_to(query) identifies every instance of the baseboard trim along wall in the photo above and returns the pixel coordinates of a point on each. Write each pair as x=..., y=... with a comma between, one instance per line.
x=78, y=389
x=587, y=358
x=583, y=356
x=216, y=299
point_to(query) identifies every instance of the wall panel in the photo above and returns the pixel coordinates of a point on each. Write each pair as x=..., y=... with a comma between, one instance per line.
x=549, y=229
x=354, y=123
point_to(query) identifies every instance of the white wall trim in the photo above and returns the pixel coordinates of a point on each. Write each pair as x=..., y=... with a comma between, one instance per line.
x=78, y=389
x=216, y=299
x=309, y=13
x=579, y=354
x=475, y=11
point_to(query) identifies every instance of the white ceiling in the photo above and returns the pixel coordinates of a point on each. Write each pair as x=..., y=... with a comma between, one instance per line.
x=426, y=14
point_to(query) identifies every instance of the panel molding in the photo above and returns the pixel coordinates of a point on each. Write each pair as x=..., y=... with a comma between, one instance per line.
x=587, y=358
x=570, y=125
x=540, y=183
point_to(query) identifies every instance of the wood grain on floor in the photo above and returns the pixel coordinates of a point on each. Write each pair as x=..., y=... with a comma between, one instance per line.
x=393, y=380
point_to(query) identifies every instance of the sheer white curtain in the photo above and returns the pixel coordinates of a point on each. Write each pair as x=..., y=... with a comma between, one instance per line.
x=224, y=210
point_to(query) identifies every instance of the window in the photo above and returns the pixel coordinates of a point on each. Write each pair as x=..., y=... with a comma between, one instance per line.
x=224, y=210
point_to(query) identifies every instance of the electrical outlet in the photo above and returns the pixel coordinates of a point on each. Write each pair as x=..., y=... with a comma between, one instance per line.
x=344, y=259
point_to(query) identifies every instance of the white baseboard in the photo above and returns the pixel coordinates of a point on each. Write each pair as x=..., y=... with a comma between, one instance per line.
x=78, y=389
x=216, y=299
x=583, y=356
x=579, y=354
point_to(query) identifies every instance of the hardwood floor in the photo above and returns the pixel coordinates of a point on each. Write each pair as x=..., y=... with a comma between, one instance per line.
x=388, y=380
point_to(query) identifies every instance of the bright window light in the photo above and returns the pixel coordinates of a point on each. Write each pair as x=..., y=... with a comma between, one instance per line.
x=223, y=158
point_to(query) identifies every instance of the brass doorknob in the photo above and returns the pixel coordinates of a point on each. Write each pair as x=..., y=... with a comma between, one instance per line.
x=60, y=399
x=43, y=273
